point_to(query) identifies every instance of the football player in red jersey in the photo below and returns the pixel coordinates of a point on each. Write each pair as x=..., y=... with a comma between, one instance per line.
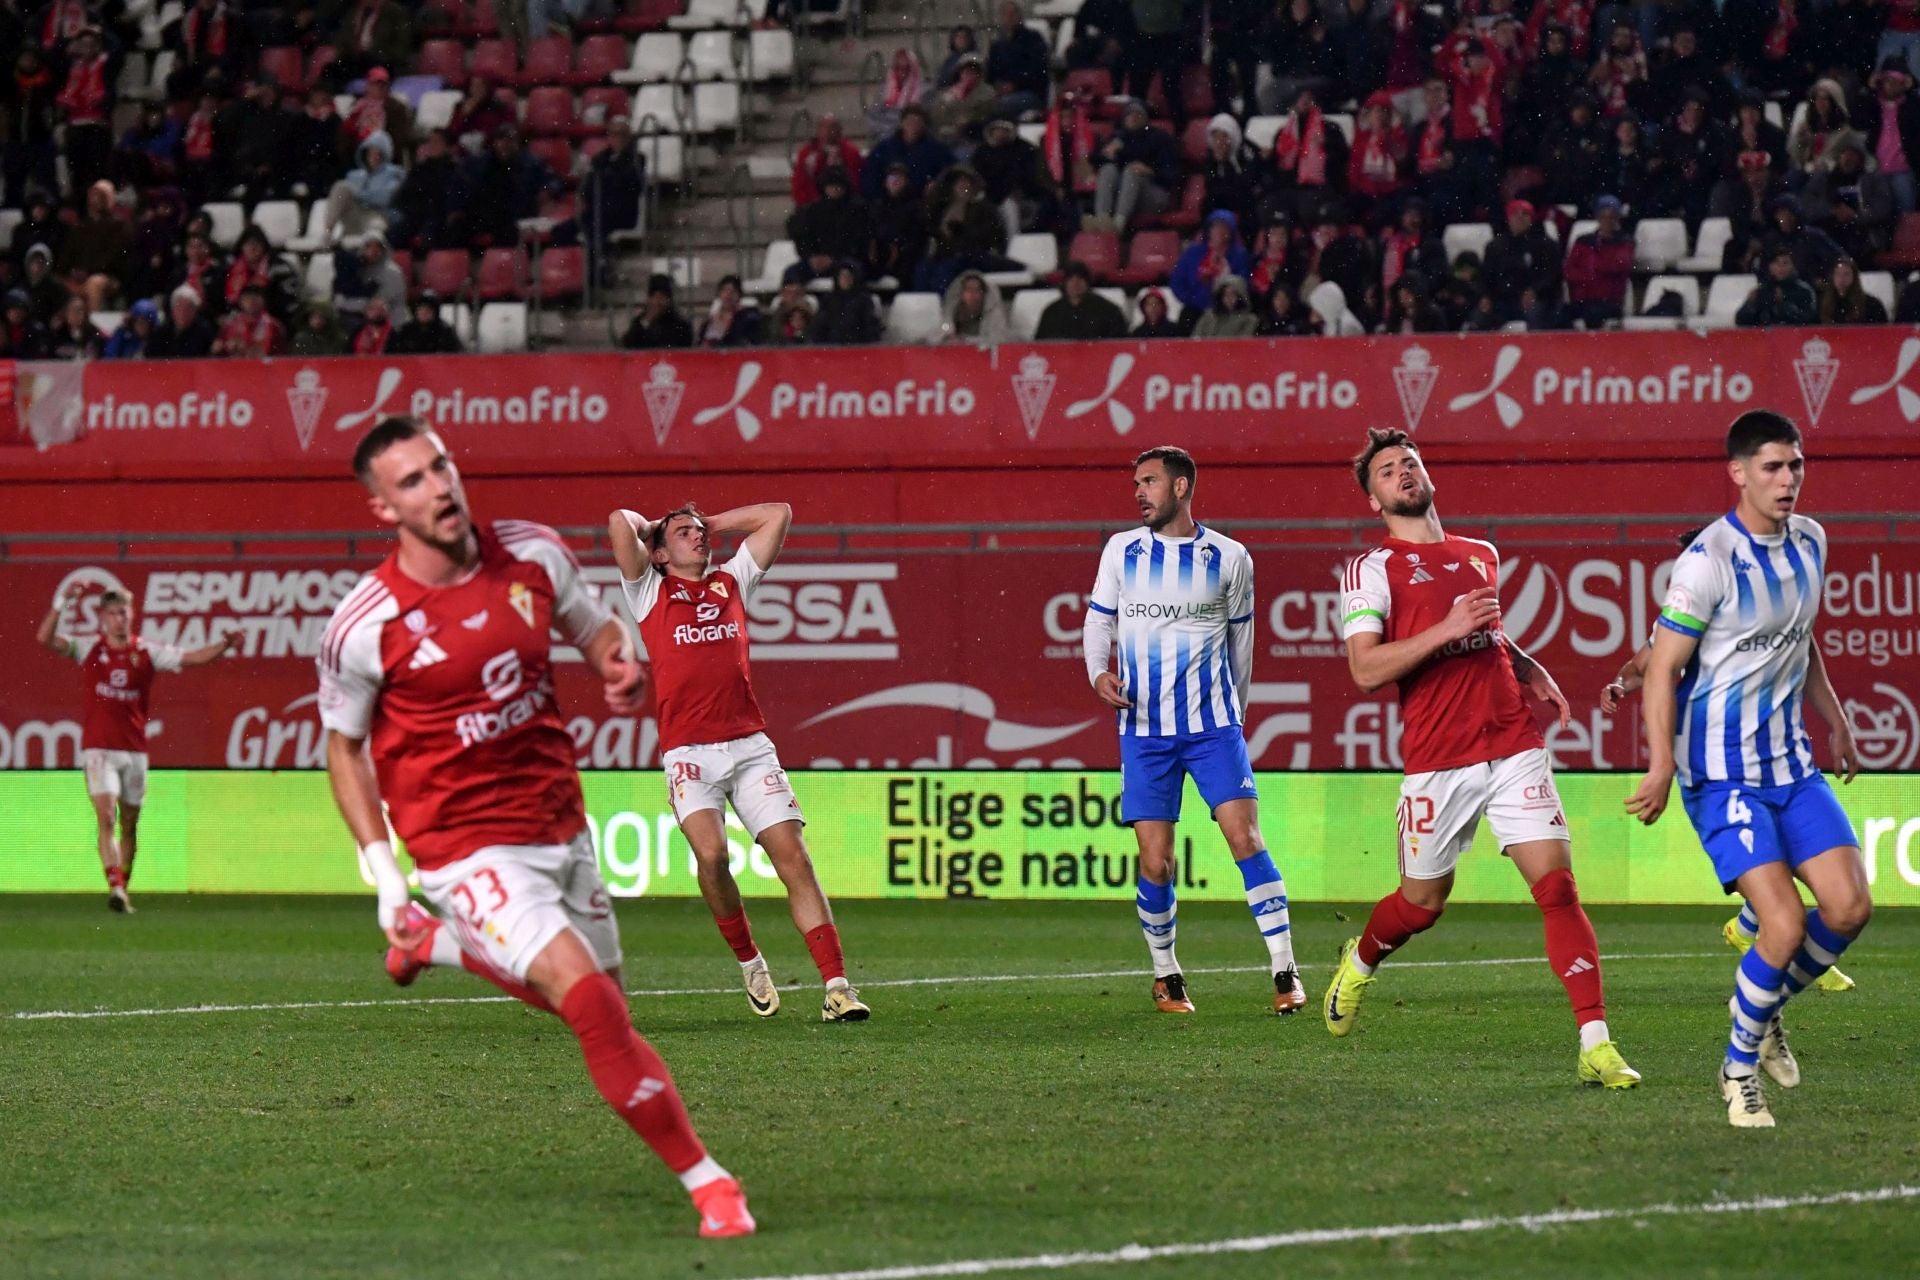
x=713, y=741
x=1422, y=611
x=436, y=690
x=119, y=668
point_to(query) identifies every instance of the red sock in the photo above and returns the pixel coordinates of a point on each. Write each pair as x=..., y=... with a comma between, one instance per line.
x=1572, y=949
x=1393, y=922
x=116, y=878
x=629, y=1074
x=481, y=969
x=823, y=944
x=734, y=929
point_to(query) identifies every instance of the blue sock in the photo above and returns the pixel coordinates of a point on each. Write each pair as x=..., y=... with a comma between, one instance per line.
x=1267, y=899
x=1748, y=924
x=1158, y=916
x=1819, y=952
x=1758, y=989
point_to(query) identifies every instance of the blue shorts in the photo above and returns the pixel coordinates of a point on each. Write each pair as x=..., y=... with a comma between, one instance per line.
x=1743, y=827
x=1153, y=772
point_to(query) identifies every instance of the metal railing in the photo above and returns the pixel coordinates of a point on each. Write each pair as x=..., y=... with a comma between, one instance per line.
x=744, y=229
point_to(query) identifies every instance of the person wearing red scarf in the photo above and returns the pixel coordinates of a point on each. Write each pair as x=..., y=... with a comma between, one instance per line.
x=1407, y=248
x=1619, y=77
x=1476, y=73
x=1310, y=155
x=63, y=21
x=1575, y=15
x=1377, y=167
x=373, y=335
x=827, y=149
x=1067, y=144
x=250, y=330
x=87, y=104
x=206, y=35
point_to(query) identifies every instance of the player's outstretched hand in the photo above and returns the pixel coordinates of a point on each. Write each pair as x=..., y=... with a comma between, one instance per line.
x=1477, y=609
x=1846, y=757
x=626, y=689
x=1650, y=800
x=75, y=592
x=1543, y=687
x=1612, y=696
x=1107, y=685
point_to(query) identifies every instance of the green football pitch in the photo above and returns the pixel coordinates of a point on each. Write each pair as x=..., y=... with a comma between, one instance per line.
x=1014, y=1097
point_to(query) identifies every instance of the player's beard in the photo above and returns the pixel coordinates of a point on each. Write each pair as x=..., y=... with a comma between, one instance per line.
x=1158, y=518
x=1416, y=505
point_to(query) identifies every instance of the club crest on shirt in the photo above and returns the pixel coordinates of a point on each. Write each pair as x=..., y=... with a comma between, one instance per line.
x=1479, y=566
x=522, y=601
x=718, y=587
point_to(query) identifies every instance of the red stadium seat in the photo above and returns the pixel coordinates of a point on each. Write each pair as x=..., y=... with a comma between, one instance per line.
x=648, y=15
x=503, y=275
x=287, y=65
x=550, y=113
x=548, y=62
x=1100, y=250
x=1196, y=90
x=1906, y=243
x=1193, y=144
x=556, y=154
x=445, y=271
x=478, y=22
x=1150, y=258
x=1093, y=85
x=1187, y=215
x=403, y=259
x=496, y=60
x=597, y=59
x=563, y=274
x=444, y=58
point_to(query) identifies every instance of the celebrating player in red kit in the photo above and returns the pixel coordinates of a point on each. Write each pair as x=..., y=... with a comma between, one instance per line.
x=693, y=620
x=436, y=689
x=119, y=669
x=1422, y=611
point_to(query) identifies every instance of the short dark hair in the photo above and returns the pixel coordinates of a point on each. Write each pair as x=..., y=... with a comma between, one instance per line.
x=1757, y=428
x=657, y=536
x=1691, y=536
x=1379, y=440
x=1178, y=462
x=389, y=432
x=114, y=596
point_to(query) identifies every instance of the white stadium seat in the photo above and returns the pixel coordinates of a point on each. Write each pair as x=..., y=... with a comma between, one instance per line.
x=1879, y=284
x=503, y=328
x=1726, y=296
x=1467, y=237
x=656, y=57
x=229, y=220
x=914, y=317
x=1659, y=243
x=781, y=254
x=436, y=109
x=770, y=55
x=279, y=219
x=1027, y=306
x=716, y=107
x=711, y=53
x=1708, y=247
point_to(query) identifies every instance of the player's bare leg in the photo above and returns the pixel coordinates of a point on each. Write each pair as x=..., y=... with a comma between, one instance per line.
x=109, y=844
x=1266, y=897
x=787, y=850
x=1574, y=953
x=706, y=834
x=129, y=838
x=1159, y=916
x=634, y=1079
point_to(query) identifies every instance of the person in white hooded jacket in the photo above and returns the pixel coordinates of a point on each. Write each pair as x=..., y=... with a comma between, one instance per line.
x=1330, y=312
x=1233, y=170
x=972, y=313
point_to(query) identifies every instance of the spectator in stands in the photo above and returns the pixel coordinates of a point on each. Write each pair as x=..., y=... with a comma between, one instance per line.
x=1079, y=314
x=658, y=324
x=848, y=316
x=425, y=333
x=1575, y=154
x=94, y=260
x=1016, y=178
x=1520, y=274
x=1630, y=167
x=1693, y=151
x=1332, y=318
x=148, y=153
x=1215, y=252
x=202, y=166
x=250, y=331
x=1893, y=127
x=1309, y=156
x=375, y=331
x=381, y=110
x=319, y=332
x=732, y=320
x=1410, y=249
x=898, y=220
x=828, y=148
x=1685, y=67
x=1378, y=174
x=611, y=195
x=252, y=139
x=256, y=266
x=1752, y=131
x=1358, y=55
x=1778, y=65
x=370, y=35
x=793, y=309
x=1619, y=77
x=1599, y=268
x=1436, y=162
x=85, y=105
x=905, y=87
x=1843, y=301
x=1279, y=262
x=363, y=201
x=1781, y=297
x=1411, y=32
x=1155, y=318
x=1101, y=31
x=925, y=156
x=957, y=111
x=210, y=34
x=1299, y=60
x=1547, y=85
x=1814, y=251
x=72, y=335
x=1819, y=135
x=1337, y=253
x=129, y=341
x=1139, y=171
x=1282, y=316
x=1157, y=46
x=1745, y=207
x=1457, y=296
x=480, y=115
x=42, y=225
x=1475, y=72
x=1019, y=64
x=833, y=228
x=1229, y=315
x=22, y=337
x=187, y=334
x=960, y=43
x=1408, y=309
x=966, y=231
x=1851, y=203
x=201, y=270
x=503, y=186
x=27, y=107
x=1234, y=172
x=972, y=313
x=153, y=253
x=321, y=147
x=368, y=274
x=427, y=198
x=43, y=284
x=1842, y=35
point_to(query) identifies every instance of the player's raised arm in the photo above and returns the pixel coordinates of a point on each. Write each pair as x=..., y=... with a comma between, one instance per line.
x=47, y=635
x=1827, y=705
x=209, y=653
x=627, y=531
x=765, y=525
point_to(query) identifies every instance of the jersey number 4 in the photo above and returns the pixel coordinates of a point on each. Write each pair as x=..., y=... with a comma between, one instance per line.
x=1739, y=815
x=490, y=886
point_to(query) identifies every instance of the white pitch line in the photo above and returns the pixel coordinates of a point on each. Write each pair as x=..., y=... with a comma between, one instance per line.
x=1344, y=1235
x=961, y=979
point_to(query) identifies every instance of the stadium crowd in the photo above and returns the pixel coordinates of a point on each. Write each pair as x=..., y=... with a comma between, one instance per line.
x=1281, y=169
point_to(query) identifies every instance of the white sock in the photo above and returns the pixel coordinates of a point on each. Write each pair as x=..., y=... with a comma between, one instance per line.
x=758, y=961
x=837, y=982
x=445, y=951
x=1593, y=1033
x=1360, y=966
x=708, y=1170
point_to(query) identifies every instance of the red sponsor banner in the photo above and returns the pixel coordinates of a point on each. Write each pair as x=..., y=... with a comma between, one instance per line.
x=1526, y=396
x=952, y=661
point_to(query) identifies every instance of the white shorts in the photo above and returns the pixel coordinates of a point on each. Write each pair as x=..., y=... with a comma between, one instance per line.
x=122, y=774
x=506, y=902
x=745, y=771
x=1440, y=811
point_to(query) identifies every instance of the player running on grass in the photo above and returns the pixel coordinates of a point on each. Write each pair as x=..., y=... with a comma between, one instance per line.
x=439, y=662
x=714, y=747
x=1179, y=597
x=1423, y=612
x=119, y=668
x=1741, y=930
x=1740, y=610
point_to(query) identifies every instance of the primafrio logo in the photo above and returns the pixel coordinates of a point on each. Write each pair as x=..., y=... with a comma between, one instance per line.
x=744, y=418
x=1118, y=413
x=1816, y=369
x=1413, y=379
x=1909, y=400
x=1886, y=730
x=1554, y=387
x=663, y=393
x=1511, y=414
x=1032, y=391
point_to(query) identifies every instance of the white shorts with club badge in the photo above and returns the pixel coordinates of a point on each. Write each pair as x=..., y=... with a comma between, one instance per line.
x=1440, y=811
x=121, y=774
x=745, y=771
x=505, y=903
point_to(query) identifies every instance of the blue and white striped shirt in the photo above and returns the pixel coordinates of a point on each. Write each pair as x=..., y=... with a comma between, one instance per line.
x=1182, y=609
